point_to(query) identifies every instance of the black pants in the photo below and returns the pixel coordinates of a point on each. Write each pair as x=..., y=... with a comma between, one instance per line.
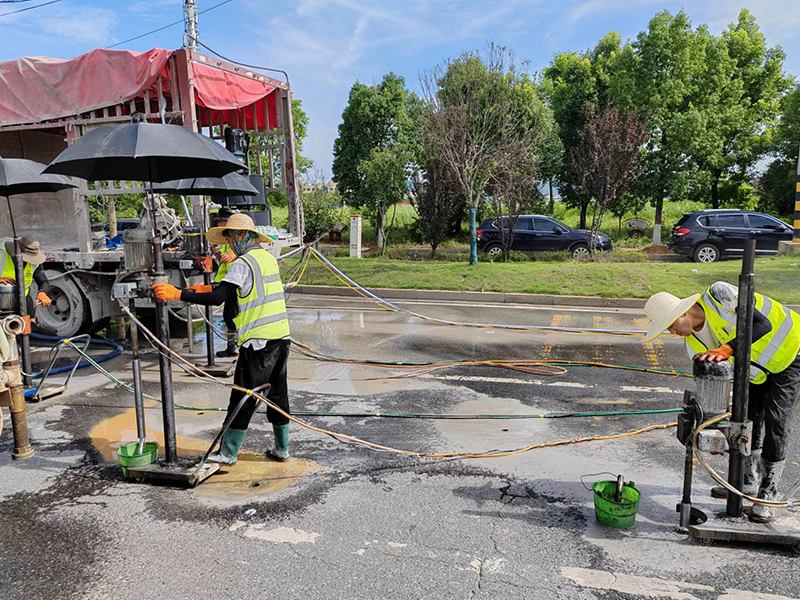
x=255, y=368
x=229, y=311
x=771, y=406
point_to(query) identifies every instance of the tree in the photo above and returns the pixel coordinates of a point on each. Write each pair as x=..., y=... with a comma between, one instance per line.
x=662, y=72
x=321, y=210
x=777, y=187
x=484, y=113
x=573, y=81
x=731, y=120
x=377, y=133
x=514, y=190
x=437, y=200
x=606, y=158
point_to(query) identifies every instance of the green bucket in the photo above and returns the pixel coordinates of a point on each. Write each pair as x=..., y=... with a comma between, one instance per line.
x=611, y=513
x=128, y=457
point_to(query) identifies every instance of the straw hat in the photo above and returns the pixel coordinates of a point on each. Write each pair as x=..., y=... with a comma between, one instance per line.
x=30, y=248
x=663, y=309
x=239, y=222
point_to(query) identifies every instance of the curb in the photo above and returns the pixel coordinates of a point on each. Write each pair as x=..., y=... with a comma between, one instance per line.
x=489, y=297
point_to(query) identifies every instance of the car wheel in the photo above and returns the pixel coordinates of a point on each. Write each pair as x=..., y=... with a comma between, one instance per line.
x=706, y=253
x=494, y=250
x=580, y=252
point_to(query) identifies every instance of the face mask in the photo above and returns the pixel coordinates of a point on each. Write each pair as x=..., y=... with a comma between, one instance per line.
x=240, y=246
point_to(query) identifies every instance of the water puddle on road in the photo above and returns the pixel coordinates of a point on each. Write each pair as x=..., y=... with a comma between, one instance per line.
x=252, y=475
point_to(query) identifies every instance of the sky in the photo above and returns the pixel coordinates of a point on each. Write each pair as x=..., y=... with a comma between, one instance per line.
x=326, y=45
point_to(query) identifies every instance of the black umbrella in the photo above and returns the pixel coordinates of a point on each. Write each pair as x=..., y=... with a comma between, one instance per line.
x=232, y=184
x=144, y=152
x=20, y=176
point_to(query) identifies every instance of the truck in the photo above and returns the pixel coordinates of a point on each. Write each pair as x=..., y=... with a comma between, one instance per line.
x=46, y=104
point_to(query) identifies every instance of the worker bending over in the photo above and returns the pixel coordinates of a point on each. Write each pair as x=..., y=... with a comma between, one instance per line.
x=262, y=326
x=225, y=255
x=32, y=257
x=708, y=323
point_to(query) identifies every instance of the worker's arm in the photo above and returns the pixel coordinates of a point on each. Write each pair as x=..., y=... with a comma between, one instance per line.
x=213, y=298
x=41, y=281
x=761, y=327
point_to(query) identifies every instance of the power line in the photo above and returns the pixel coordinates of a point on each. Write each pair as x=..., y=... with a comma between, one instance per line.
x=13, y=12
x=164, y=27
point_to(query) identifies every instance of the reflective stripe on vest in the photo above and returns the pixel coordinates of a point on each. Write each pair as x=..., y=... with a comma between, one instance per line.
x=7, y=270
x=262, y=313
x=222, y=270
x=774, y=351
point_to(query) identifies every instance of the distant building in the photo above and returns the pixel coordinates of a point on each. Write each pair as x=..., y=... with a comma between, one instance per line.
x=326, y=188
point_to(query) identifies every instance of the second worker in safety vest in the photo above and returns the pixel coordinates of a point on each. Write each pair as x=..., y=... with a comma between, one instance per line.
x=262, y=326
x=708, y=323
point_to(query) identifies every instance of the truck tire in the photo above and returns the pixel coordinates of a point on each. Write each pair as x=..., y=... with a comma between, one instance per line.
x=69, y=313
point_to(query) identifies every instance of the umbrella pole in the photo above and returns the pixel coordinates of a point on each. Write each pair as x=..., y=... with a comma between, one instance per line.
x=162, y=330
x=22, y=305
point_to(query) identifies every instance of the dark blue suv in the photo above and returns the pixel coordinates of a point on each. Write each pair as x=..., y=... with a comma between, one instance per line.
x=710, y=235
x=539, y=233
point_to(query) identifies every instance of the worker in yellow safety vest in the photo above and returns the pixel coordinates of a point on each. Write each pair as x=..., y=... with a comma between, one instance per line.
x=707, y=321
x=32, y=257
x=262, y=326
x=225, y=256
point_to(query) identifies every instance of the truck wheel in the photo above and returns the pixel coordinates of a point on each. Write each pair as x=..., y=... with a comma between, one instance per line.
x=68, y=315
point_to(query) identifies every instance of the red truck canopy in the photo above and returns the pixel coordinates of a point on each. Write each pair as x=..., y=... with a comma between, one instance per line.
x=35, y=89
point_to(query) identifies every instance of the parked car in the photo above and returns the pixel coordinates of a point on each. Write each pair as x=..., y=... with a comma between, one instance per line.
x=539, y=233
x=709, y=235
x=123, y=224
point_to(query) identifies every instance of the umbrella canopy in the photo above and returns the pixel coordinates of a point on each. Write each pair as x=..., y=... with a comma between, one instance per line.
x=144, y=152
x=20, y=176
x=232, y=184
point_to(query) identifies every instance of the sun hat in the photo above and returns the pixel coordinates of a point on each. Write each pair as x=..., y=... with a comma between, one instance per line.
x=663, y=309
x=239, y=222
x=30, y=248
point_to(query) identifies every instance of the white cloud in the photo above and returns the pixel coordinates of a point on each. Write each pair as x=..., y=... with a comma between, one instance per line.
x=93, y=26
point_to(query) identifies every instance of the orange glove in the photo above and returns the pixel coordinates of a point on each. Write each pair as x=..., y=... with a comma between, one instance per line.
x=8, y=280
x=201, y=288
x=717, y=355
x=43, y=299
x=227, y=257
x=166, y=292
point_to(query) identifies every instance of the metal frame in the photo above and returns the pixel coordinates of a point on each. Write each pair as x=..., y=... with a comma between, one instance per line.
x=55, y=352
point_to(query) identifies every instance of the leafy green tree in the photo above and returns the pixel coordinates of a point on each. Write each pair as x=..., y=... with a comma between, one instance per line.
x=777, y=187
x=576, y=84
x=731, y=120
x=377, y=140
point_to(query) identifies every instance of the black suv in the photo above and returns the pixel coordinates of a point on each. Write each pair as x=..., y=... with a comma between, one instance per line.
x=709, y=235
x=538, y=233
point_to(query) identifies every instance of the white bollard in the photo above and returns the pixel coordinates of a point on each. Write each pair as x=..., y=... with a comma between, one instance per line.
x=355, y=236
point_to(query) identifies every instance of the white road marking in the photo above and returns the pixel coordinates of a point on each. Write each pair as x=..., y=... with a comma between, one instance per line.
x=237, y=525
x=281, y=535
x=649, y=390
x=650, y=587
x=744, y=595
x=396, y=545
x=563, y=384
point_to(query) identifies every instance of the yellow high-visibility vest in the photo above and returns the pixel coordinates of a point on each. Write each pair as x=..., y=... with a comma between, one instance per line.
x=7, y=269
x=262, y=313
x=223, y=267
x=770, y=354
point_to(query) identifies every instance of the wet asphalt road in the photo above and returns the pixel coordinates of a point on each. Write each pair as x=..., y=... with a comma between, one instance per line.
x=343, y=521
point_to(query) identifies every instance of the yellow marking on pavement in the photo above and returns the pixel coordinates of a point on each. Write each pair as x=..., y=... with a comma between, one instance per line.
x=651, y=349
x=557, y=321
x=603, y=352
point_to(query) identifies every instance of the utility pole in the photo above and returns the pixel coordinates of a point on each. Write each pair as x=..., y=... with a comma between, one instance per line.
x=190, y=23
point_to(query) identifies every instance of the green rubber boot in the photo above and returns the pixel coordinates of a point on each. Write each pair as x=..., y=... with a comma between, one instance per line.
x=280, y=451
x=229, y=447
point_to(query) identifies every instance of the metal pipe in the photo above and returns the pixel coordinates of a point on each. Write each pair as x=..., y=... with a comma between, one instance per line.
x=22, y=311
x=686, y=501
x=11, y=327
x=741, y=371
x=210, y=355
x=138, y=395
x=162, y=331
x=189, y=329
